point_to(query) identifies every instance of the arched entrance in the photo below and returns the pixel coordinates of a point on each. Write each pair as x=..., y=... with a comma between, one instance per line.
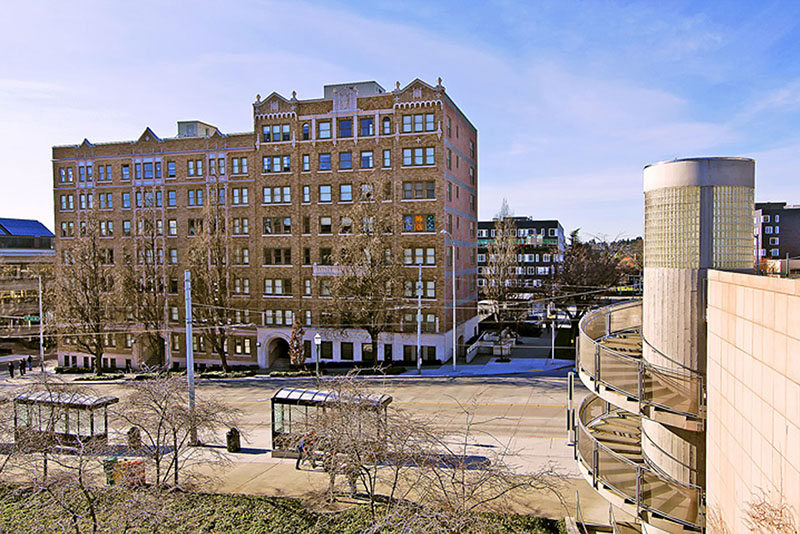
x=277, y=351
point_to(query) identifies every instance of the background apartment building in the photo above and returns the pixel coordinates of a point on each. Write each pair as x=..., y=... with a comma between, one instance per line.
x=283, y=189
x=777, y=230
x=541, y=248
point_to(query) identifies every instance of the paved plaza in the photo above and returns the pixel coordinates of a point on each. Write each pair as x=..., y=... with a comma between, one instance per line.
x=526, y=413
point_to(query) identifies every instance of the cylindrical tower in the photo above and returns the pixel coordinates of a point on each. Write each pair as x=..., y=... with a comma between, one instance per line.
x=698, y=216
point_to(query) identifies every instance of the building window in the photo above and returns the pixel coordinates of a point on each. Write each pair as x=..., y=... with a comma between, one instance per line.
x=307, y=286
x=325, y=225
x=417, y=256
x=449, y=159
x=324, y=193
x=306, y=193
x=419, y=223
x=173, y=256
x=345, y=193
x=325, y=256
x=305, y=131
x=326, y=350
x=418, y=156
x=324, y=162
x=324, y=287
x=366, y=159
x=774, y=252
x=345, y=160
x=387, y=158
x=306, y=162
x=277, y=256
x=325, y=130
x=346, y=351
x=419, y=190
x=367, y=127
x=277, y=225
x=239, y=165
x=418, y=123
x=277, y=195
x=239, y=196
x=345, y=128
x=774, y=241
x=126, y=200
x=387, y=126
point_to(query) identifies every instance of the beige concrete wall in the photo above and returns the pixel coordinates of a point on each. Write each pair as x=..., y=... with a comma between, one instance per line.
x=753, y=434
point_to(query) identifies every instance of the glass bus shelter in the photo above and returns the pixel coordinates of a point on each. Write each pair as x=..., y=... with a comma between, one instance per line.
x=291, y=409
x=46, y=419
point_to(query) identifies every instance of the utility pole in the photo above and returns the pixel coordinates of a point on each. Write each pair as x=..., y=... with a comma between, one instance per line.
x=453, y=253
x=552, y=330
x=419, y=320
x=41, y=327
x=187, y=294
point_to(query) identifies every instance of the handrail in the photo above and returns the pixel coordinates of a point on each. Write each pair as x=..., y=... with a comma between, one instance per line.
x=638, y=497
x=646, y=373
x=663, y=451
x=579, y=513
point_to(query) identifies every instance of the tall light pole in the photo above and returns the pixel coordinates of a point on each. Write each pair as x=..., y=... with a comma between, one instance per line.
x=317, y=343
x=187, y=294
x=453, y=256
x=419, y=319
x=41, y=326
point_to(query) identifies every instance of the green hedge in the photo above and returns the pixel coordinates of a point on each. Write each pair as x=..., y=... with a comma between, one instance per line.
x=24, y=510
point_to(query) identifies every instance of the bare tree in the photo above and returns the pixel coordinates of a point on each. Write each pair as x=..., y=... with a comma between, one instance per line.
x=502, y=270
x=585, y=277
x=142, y=282
x=208, y=263
x=83, y=293
x=424, y=477
x=369, y=267
x=297, y=353
x=766, y=515
x=158, y=408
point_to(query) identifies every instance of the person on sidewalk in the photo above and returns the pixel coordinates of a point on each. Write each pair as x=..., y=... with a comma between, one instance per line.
x=22, y=368
x=11, y=369
x=30, y=362
x=301, y=450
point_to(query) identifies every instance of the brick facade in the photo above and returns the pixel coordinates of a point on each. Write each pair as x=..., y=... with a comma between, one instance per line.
x=437, y=158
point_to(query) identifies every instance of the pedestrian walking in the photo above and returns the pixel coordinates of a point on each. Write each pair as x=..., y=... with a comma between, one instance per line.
x=22, y=368
x=11, y=369
x=30, y=362
x=301, y=450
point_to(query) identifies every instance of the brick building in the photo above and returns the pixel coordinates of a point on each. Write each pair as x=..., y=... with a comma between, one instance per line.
x=284, y=186
x=541, y=248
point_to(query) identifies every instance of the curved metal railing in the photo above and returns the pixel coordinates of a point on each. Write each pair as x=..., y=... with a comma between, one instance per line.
x=677, y=391
x=637, y=484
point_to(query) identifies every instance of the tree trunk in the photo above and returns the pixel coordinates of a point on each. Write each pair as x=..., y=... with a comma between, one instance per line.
x=98, y=363
x=223, y=358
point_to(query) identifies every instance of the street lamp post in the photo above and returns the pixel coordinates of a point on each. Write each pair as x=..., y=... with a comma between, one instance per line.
x=317, y=343
x=41, y=326
x=453, y=257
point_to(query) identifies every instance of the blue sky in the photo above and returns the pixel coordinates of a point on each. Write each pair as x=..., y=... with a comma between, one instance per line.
x=571, y=99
